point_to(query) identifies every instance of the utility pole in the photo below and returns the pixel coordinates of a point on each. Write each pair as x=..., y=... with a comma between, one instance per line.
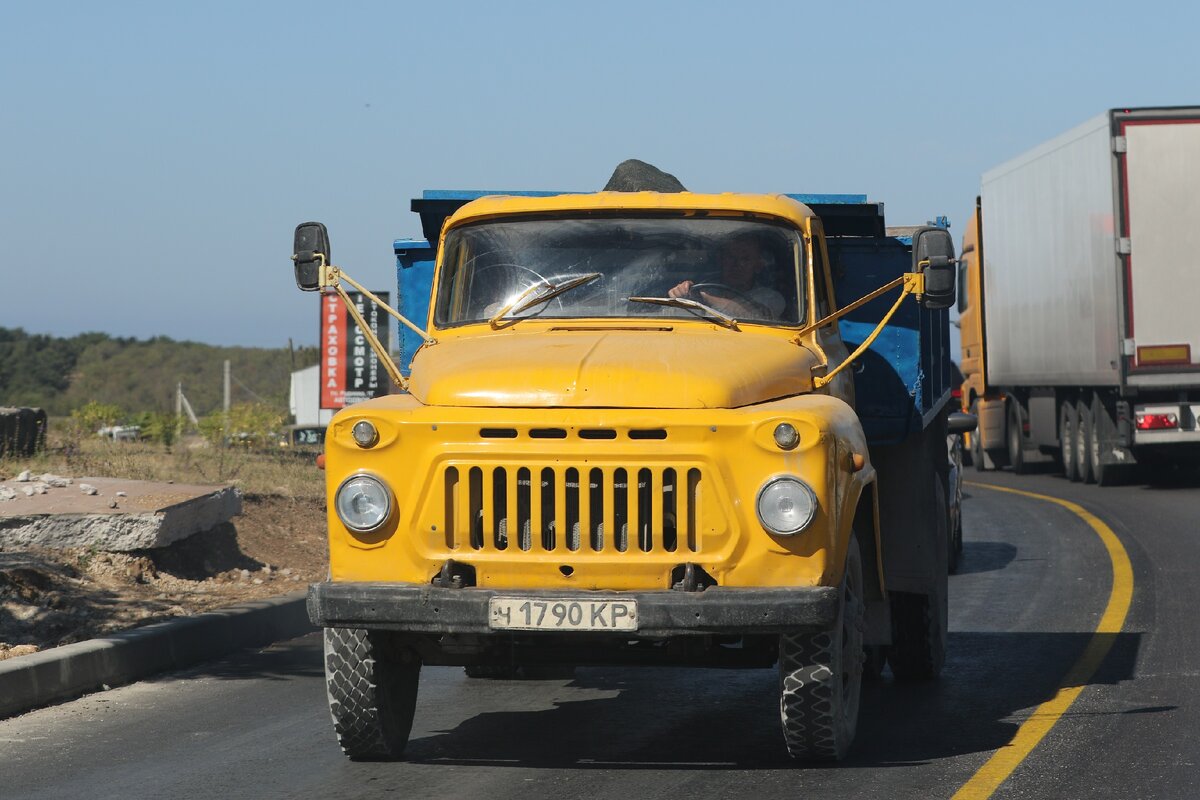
x=226, y=404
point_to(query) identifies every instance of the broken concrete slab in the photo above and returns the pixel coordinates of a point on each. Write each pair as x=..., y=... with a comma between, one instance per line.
x=150, y=515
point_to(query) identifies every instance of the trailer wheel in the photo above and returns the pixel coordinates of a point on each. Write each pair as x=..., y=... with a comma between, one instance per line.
x=371, y=682
x=1068, y=420
x=1016, y=447
x=820, y=676
x=1085, y=436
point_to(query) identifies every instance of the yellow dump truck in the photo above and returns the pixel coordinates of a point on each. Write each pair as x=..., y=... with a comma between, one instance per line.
x=633, y=431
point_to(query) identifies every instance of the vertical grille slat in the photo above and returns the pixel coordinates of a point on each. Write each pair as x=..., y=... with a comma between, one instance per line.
x=525, y=508
x=468, y=510
x=604, y=538
x=649, y=509
x=499, y=505
x=620, y=503
x=683, y=511
x=482, y=509
x=586, y=510
x=569, y=509
x=666, y=518
x=693, y=494
x=562, y=533
x=537, y=531
x=512, y=509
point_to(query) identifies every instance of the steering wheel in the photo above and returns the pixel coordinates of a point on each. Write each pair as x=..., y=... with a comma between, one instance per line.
x=720, y=290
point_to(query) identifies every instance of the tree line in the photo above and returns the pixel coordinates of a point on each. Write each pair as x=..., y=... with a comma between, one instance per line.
x=61, y=374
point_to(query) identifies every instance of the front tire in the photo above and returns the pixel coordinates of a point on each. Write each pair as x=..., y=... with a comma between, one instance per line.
x=979, y=457
x=371, y=682
x=820, y=676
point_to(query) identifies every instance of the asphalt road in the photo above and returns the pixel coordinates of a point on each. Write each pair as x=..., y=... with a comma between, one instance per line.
x=1034, y=581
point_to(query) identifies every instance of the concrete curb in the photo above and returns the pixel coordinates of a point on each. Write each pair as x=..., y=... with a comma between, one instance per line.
x=63, y=673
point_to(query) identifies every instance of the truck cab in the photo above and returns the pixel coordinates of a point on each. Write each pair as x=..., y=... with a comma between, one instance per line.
x=632, y=433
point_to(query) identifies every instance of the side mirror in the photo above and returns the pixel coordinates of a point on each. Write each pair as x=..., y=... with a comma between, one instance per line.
x=958, y=422
x=933, y=254
x=312, y=241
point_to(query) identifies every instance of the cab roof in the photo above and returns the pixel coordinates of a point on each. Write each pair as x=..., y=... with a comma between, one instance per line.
x=764, y=205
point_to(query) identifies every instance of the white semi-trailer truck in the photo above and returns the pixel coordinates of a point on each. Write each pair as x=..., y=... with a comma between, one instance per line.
x=1080, y=299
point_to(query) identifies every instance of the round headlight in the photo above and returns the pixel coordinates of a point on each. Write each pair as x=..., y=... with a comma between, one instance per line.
x=364, y=433
x=786, y=506
x=786, y=436
x=363, y=503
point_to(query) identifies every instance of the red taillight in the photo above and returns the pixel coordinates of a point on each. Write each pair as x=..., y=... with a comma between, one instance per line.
x=1155, y=422
x=320, y=461
x=956, y=392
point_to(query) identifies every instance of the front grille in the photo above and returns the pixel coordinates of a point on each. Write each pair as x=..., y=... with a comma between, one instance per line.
x=572, y=509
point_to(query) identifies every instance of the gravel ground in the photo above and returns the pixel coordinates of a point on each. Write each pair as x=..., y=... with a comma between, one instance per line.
x=53, y=597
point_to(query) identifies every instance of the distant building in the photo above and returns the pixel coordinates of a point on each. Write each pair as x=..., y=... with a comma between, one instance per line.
x=305, y=398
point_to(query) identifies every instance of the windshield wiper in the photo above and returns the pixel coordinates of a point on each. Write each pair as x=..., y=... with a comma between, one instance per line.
x=695, y=306
x=532, y=296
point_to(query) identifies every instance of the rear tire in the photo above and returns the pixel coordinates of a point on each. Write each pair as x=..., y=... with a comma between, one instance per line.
x=371, y=682
x=1068, y=420
x=1085, y=441
x=919, y=621
x=820, y=676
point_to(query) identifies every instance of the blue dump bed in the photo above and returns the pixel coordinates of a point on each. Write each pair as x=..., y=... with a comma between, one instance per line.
x=901, y=382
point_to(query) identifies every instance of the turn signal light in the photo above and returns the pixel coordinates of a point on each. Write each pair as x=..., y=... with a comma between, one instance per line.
x=1156, y=422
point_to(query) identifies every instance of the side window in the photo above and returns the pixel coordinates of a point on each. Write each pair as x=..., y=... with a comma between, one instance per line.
x=820, y=288
x=962, y=285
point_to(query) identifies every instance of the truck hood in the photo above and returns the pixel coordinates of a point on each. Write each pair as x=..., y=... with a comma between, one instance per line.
x=611, y=369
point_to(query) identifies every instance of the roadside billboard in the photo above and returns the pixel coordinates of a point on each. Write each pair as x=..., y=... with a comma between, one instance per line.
x=350, y=370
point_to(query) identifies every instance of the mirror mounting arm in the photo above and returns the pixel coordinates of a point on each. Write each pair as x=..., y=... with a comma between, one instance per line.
x=913, y=282
x=381, y=352
x=330, y=277
x=337, y=275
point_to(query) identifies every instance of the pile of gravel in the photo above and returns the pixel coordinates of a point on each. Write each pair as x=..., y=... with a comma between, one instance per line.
x=638, y=176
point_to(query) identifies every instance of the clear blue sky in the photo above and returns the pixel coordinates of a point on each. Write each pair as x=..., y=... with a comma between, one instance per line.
x=156, y=156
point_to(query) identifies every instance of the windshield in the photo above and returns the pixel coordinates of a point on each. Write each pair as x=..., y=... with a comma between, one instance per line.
x=618, y=268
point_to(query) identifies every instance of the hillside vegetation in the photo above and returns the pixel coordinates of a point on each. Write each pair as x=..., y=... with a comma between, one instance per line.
x=62, y=374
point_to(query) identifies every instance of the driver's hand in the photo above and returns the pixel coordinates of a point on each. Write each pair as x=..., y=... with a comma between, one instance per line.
x=726, y=304
x=682, y=289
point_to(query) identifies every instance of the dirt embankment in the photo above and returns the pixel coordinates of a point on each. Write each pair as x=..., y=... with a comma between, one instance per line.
x=52, y=597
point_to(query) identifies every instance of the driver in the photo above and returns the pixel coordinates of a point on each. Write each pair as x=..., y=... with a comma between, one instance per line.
x=738, y=294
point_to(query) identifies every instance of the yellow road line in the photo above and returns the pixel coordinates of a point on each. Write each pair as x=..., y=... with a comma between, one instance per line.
x=1002, y=763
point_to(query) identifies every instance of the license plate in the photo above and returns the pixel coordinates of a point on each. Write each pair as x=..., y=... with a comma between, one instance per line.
x=552, y=614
